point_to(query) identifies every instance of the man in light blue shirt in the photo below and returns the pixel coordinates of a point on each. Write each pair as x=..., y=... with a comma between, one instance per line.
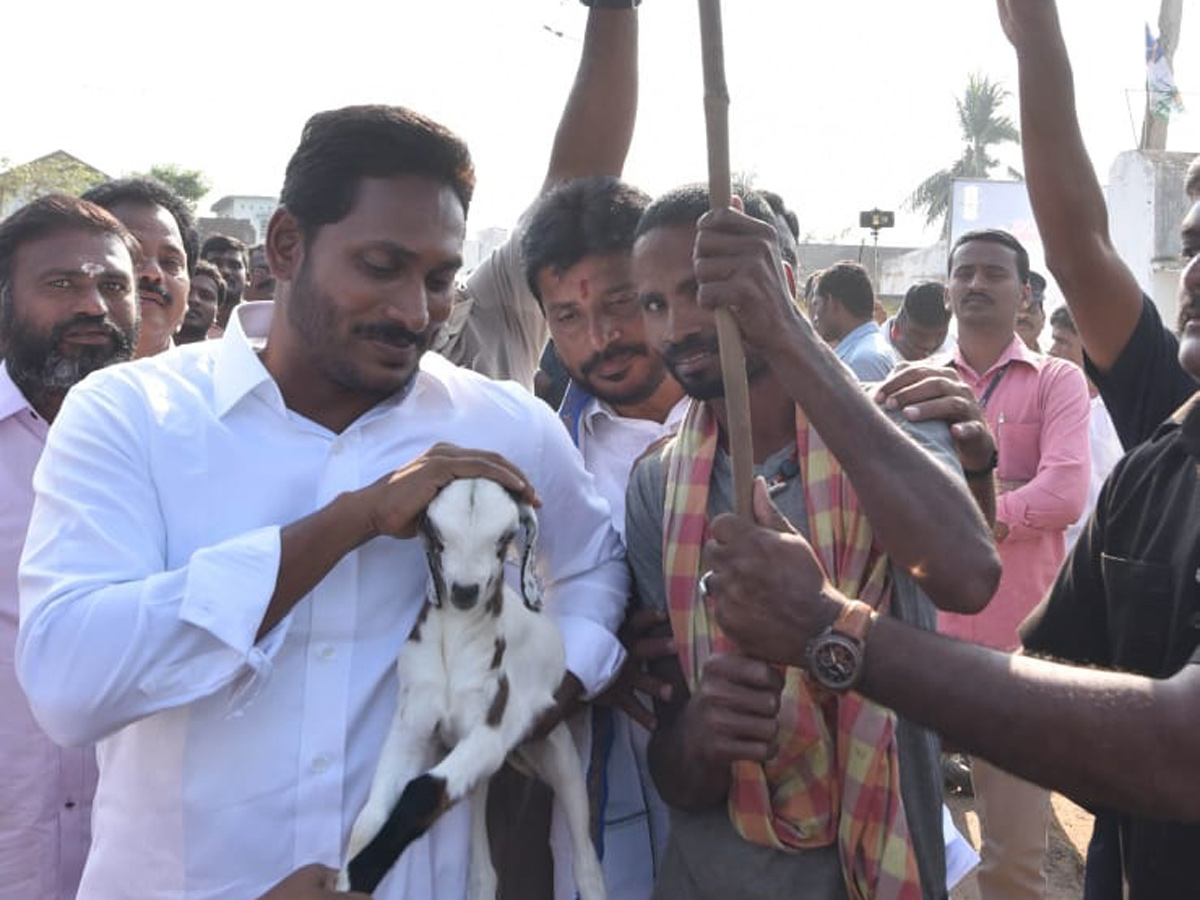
x=842, y=306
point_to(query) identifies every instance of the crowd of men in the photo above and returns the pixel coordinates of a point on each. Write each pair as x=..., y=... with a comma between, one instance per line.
x=216, y=457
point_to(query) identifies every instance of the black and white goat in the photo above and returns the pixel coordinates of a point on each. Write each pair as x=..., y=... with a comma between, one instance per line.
x=478, y=671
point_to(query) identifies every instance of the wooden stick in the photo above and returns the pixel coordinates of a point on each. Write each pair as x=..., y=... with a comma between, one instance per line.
x=733, y=356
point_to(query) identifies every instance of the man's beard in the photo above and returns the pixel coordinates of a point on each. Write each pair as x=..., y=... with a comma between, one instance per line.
x=39, y=367
x=702, y=386
x=628, y=394
x=311, y=313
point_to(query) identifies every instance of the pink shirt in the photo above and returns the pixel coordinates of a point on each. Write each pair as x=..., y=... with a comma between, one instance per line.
x=1038, y=412
x=45, y=790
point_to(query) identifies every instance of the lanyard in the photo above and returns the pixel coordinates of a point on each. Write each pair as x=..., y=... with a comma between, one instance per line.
x=987, y=393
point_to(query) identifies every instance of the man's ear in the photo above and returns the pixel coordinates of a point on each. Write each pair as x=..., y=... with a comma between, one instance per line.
x=284, y=245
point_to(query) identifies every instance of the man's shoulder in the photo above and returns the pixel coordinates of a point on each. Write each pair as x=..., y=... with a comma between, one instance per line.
x=472, y=390
x=178, y=370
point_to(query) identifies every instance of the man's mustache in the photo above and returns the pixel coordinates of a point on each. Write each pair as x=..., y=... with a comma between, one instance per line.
x=390, y=333
x=146, y=286
x=616, y=351
x=692, y=346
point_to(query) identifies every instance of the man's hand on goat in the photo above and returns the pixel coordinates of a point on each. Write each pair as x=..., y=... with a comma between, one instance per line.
x=568, y=700
x=646, y=635
x=314, y=882
x=395, y=502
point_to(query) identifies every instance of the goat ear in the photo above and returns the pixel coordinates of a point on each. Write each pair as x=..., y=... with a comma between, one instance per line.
x=435, y=587
x=530, y=589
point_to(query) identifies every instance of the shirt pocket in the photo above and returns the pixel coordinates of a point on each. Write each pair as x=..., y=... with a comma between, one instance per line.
x=1140, y=613
x=1019, y=448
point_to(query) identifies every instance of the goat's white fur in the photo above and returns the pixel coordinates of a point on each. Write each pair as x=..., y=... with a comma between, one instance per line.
x=452, y=670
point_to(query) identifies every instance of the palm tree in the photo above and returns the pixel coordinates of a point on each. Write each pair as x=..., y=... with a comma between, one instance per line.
x=981, y=126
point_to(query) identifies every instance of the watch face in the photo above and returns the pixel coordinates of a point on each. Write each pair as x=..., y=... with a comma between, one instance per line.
x=834, y=661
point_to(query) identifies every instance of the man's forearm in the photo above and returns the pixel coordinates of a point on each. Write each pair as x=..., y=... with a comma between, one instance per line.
x=913, y=503
x=1101, y=737
x=682, y=778
x=596, y=128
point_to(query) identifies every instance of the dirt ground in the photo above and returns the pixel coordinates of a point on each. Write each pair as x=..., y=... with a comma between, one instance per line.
x=1070, y=830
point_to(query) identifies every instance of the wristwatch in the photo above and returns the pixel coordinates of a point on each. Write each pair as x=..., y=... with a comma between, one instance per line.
x=834, y=657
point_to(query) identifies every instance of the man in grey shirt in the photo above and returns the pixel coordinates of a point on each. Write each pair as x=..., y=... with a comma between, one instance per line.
x=906, y=485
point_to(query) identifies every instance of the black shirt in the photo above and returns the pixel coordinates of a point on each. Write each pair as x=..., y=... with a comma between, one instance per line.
x=1128, y=597
x=1146, y=383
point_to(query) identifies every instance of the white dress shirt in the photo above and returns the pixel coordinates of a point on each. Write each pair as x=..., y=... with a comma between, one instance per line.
x=636, y=817
x=45, y=790
x=611, y=444
x=152, y=553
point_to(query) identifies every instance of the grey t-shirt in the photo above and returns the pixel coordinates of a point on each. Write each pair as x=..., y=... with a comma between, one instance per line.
x=496, y=326
x=706, y=859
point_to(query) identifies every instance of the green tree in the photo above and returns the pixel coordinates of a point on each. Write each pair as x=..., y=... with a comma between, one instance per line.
x=982, y=126
x=57, y=172
x=190, y=184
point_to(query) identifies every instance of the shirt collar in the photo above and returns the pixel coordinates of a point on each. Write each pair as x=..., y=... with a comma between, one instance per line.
x=1015, y=352
x=597, y=409
x=239, y=371
x=12, y=401
x=866, y=328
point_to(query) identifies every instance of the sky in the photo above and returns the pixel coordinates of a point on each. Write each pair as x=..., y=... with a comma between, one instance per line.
x=838, y=106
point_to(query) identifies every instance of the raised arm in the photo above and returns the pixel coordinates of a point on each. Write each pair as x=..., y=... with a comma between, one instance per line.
x=1067, y=201
x=596, y=128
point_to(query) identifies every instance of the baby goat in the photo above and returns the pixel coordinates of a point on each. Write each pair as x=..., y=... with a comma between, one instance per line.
x=479, y=669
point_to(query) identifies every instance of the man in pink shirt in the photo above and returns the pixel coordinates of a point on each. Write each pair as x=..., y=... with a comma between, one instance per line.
x=1037, y=408
x=68, y=306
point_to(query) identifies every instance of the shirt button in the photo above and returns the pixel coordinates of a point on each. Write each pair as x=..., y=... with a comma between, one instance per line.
x=320, y=764
x=70, y=804
x=327, y=651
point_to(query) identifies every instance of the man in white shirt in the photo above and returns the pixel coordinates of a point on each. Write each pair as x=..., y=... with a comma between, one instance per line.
x=233, y=639
x=620, y=399
x=1104, y=445
x=67, y=308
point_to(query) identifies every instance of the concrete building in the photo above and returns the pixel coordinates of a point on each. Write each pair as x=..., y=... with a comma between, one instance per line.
x=256, y=210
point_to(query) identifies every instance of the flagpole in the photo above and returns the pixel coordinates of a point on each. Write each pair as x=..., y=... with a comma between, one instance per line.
x=733, y=356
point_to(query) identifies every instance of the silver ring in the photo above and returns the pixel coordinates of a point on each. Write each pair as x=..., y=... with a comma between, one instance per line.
x=704, y=586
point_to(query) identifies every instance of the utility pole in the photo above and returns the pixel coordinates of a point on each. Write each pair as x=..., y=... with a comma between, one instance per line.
x=1170, y=19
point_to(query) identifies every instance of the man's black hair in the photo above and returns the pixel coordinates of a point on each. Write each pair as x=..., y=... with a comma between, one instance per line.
x=582, y=217
x=685, y=205
x=220, y=243
x=788, y=227
x=204, y=267
x=1062, y=318
x=1191, y=182
x=925, y=305
x=42, y=218
x=849, y=284
x=149, y=192
x=340, y=147
x=994, y=236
